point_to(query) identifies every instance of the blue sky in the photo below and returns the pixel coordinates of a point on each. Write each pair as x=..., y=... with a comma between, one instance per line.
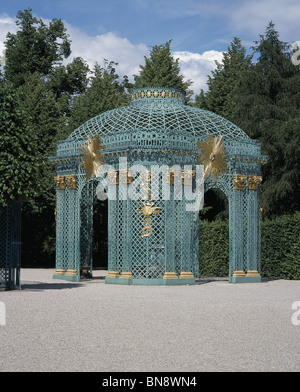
x=125, y=30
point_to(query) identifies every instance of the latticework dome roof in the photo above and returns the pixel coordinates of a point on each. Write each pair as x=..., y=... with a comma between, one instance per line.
x=162, y=110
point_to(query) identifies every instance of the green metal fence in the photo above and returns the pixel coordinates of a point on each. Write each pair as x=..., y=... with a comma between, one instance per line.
x=10, y=246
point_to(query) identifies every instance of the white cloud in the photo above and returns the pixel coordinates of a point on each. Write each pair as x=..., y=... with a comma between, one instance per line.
x=7, y=24
x=107, y=46
x=197, y=66
x=194, y=66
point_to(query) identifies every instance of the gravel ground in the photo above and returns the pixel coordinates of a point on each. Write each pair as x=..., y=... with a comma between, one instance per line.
x=53, y=325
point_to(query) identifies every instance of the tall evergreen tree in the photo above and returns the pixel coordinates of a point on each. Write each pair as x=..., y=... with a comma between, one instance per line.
x=266, y=106
x=267, y=90
x=161, y=69
x=224, y=79
x=219, y=99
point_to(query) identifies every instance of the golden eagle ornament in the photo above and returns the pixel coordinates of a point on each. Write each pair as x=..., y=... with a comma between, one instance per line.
x=92, y=158
x=213, y=156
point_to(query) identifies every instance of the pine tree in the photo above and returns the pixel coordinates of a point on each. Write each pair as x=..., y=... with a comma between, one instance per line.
x=224, y=79
x=266, y=106
x=161, y=69
x=69, y=79
x=267, y=90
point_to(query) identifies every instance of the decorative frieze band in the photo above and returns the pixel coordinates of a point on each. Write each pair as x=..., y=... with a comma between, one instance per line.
x=125, y=177
x=186, y=176
x=157, y=93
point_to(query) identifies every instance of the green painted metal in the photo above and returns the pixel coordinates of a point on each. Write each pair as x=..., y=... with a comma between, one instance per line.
x=10, y=246
x=157, y=128
x=150, y=281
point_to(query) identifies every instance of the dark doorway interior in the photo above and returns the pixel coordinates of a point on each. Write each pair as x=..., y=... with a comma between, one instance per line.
x=100, y=234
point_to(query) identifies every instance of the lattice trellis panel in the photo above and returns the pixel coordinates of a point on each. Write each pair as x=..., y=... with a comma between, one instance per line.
x=86, y=224
x=10, y=246
x=4, y=247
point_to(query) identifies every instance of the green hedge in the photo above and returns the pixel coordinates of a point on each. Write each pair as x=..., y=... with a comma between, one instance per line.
x=214, y=248
x=280, y=253
x=280, y=248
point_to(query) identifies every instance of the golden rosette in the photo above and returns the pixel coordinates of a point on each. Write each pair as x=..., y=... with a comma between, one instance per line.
x=213, y=156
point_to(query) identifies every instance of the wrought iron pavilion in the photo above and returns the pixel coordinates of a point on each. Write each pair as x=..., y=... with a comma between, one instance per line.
x=155, y=242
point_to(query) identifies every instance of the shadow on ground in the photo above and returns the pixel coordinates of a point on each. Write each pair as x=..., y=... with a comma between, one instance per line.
x=39, y=286
x=209, y=279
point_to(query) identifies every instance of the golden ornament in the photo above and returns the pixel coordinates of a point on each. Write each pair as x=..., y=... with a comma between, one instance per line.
x=92, y=158
x=148, y=209
x=213, y=156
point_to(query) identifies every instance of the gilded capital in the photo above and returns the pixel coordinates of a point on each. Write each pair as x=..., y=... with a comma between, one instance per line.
x=187, y=176
x=172, y=176
x=60, y=182
x=71, y=181
x=113, y=177
x=239, y=182
x=253, y=182
x=125, y=176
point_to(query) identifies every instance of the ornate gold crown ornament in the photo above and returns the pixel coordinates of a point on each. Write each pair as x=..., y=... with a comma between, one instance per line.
x=213, y=156
x=92, y=158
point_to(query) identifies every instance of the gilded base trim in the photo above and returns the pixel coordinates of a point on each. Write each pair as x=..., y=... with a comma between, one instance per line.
x=112, y=274
x=60, y=271
x=186, y=275
x=170, y=275
x=71, y=272
x=238, y=273
x=252, y=273
x=126, y=275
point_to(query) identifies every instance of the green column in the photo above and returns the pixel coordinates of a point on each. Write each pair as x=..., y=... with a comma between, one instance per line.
x=236, y=231
x=72, y=229
x=60, y=224
x=253, y=229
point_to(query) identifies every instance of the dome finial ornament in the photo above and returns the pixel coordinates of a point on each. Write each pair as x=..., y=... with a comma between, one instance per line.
x=213, y=156
x=92, y=158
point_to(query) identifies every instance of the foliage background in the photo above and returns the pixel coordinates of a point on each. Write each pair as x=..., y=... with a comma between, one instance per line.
x=280, y=247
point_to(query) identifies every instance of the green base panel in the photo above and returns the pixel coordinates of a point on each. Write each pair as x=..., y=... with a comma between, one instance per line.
x=245, y=279
x=69, y=278
x=150, y=282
